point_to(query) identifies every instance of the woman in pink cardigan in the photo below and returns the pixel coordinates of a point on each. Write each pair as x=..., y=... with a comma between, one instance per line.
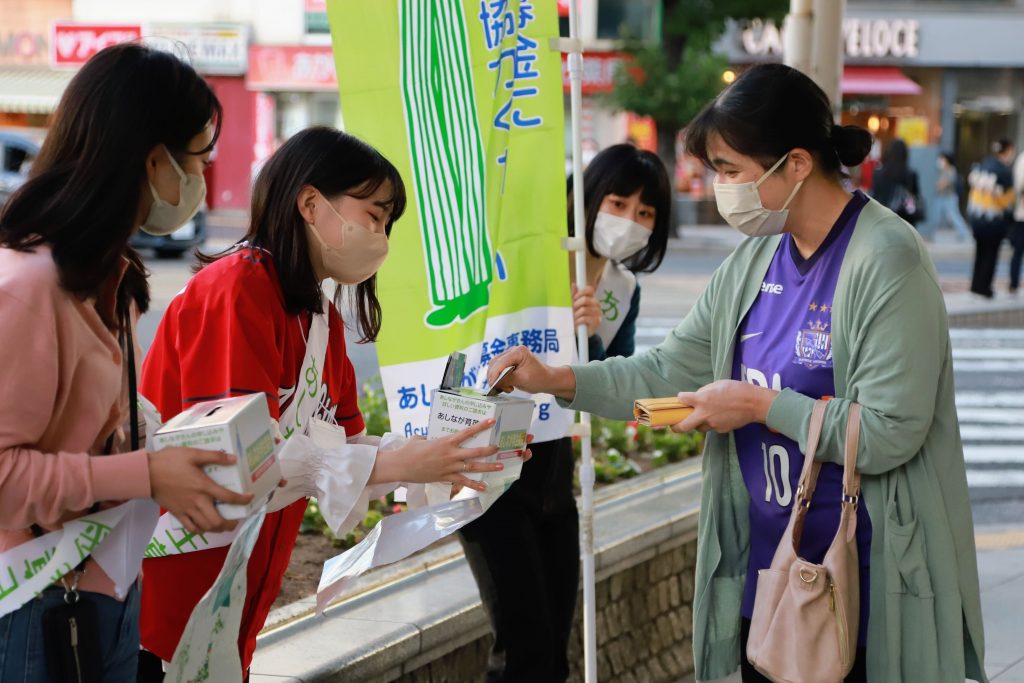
x=126, y=150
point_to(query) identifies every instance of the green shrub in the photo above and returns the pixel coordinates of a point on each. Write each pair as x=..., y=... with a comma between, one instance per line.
x=374, y=407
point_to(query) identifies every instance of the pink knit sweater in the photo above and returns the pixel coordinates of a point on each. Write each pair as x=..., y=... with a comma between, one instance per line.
x=62, y=394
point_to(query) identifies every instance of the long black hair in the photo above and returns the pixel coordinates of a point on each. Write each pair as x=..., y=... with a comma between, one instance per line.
x=335, y=163
x=82, y=196
x=772, y=109
x=894, y=160
x=622, y=170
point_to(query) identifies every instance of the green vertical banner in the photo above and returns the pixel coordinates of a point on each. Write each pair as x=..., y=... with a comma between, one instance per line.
x=465, y=98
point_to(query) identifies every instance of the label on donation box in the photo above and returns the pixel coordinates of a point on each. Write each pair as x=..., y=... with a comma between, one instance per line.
x=239, y=426
x=454, y=408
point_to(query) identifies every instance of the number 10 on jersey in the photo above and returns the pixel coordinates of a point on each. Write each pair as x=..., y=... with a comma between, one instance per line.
x=776, y=474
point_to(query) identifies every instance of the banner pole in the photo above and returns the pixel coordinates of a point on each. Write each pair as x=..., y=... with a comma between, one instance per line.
x=575, y=60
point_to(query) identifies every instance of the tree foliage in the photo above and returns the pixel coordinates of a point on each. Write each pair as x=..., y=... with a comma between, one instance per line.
x=673, y=80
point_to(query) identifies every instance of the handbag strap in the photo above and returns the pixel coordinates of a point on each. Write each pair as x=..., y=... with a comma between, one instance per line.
x=133, y=391
x=851, y=477
x=809, y=474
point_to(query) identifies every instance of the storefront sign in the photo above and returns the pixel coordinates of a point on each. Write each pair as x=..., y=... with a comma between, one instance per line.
x=867, y=38
x=315, y=16
x=218, y=49
x=72, y=44
x=263, y=143
x=598, y=72
x=297, y=68
x=862, y=38
x=913, y=130
x=22, y=47
x=642, y=131
x=25, y=31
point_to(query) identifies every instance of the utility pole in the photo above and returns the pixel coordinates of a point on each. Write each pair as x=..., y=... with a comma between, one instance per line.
x=827, y=53
x=798, y=36
x=813, y=44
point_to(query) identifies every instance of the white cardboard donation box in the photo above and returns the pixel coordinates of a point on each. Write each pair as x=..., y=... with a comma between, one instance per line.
x=239, y=426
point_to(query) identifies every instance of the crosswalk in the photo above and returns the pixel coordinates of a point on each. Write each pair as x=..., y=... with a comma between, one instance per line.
x=989, y=365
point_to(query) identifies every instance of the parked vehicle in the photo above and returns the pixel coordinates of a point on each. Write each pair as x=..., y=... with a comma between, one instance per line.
x=18, y=149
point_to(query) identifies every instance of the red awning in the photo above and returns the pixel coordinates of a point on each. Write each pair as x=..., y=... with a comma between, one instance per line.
x=877, y=80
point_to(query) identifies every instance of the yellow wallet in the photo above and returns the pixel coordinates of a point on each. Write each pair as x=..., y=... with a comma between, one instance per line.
x=660, y=412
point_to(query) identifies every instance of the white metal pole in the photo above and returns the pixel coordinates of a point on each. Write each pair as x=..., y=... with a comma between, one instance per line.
x=575, y=59
x=798, y=35
x=827, y=53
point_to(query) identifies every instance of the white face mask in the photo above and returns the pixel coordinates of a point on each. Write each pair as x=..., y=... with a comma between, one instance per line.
x=740, y=205
x=164, y=217
x=357, y=259
x=618, y=238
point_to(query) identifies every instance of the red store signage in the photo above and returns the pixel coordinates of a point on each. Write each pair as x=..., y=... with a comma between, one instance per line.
x=72, y=44
x=300, y=68
x=598, y=71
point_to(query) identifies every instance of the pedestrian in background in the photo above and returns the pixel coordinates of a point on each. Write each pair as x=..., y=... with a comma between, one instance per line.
x=71, y=291
x=947, y=197
x=990, y=212
x=1017, y=227
x=525, y=551
x=854, y=285
x=895, y=184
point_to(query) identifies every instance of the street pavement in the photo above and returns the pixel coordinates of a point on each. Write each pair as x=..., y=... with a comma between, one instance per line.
x=989, y=365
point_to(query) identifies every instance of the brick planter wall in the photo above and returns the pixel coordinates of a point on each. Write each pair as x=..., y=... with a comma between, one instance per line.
x=644, y=626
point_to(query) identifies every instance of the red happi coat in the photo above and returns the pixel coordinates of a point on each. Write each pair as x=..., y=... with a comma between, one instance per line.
x=227, y=334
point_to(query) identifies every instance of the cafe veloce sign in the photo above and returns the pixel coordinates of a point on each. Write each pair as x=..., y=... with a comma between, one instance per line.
x=862, y=38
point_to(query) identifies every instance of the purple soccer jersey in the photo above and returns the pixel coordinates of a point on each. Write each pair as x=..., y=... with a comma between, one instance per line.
x=785, y=342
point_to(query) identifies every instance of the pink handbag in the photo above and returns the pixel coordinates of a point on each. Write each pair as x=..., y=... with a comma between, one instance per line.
x=806, y=615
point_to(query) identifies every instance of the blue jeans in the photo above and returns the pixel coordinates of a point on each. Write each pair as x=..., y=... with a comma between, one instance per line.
x=21, y=637
x=947, y=209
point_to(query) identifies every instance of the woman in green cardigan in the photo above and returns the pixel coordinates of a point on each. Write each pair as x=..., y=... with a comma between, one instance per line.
x=832, y=296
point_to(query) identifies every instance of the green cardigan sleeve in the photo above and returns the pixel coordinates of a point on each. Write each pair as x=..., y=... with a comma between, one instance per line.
x=680, y=363
x=897, y=354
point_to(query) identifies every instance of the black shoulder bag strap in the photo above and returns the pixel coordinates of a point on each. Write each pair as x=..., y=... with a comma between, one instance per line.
x=127, y=343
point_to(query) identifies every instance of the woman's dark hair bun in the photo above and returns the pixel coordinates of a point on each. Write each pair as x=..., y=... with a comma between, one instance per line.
x=769, y=111
x=852, y=143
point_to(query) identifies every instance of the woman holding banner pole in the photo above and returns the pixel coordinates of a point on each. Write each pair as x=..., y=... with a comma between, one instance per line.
x=71, y=290
x=525, y=551
x=254, y=319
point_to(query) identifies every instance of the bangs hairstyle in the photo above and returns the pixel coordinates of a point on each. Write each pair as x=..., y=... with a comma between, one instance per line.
x=772, y=109
x=82, y=196
x=335, y=163
x=623, y=170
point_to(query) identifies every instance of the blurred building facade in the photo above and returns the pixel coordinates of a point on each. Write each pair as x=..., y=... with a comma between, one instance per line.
x=942, y=75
